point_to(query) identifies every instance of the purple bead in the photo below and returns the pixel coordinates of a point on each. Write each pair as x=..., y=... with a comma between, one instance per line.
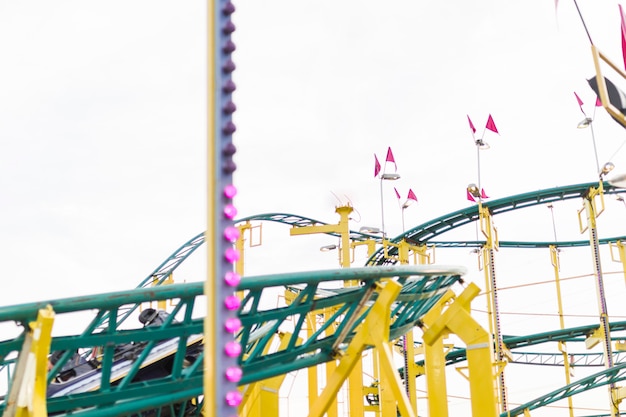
x=229, y=108
x=228, y=28
x=229, y=149
x=229, y=8
x=232, y=278
x=230, y=191
x=229, y=167
x=229, y=66
x=230, y=211
x=231, y=234
x=233, y=398
x=232, y=302
x=232, y=349
x=234, y=373
x=232, y=324
x=229, y=86
x=229, y=128
x=229, y=47
x=231, y=255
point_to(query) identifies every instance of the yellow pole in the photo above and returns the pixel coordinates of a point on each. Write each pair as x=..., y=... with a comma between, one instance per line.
x=373, y=332
x=28, y=390
x=435, y=363
x=457, y=319
x=621, y=250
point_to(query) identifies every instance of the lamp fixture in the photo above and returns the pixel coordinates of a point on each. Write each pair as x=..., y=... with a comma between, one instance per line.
x=473, y=190
x=370, y=229
x=482, y=145
x=328, y=248
x=608, y=167
x=586, y=122
x=391, y=177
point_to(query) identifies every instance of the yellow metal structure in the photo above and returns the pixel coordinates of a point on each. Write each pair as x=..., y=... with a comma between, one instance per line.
x=355, y=382
x=27, y=397
x=604, y=94
x=261, y=399
x=342, y=228
x=621, y=255
x=435, y=362
x=373, y=332
x=456, y=319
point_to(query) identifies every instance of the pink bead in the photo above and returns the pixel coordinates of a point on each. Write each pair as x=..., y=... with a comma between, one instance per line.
x=232, y=255
x=230, y=211
x=233, y=398
x=232, y=278
x=232, y=302
x=232, y=324
x=231, y=234
x=233, y=374
x=232, y=349
x=230, y=191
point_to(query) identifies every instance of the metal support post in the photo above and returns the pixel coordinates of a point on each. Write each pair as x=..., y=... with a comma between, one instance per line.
x=592, y=213
x=27, y=397
x=373, y=332
x=491, y=245
x=456, y=319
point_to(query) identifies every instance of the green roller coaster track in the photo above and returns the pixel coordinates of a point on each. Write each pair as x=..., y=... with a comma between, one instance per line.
x=180, y=391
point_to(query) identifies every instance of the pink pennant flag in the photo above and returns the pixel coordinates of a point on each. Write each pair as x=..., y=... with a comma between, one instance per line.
x=482, y=193
x=397, y=193
x=580, y=103
x=471, y=124
x=491, y=125
x=390, y=158
x=470, y=197
x=411, y=195
x=598, y=102
x=376, y=166
x=623, y=26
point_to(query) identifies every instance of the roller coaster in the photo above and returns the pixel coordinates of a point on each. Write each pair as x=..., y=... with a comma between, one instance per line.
x=376, y=339
x=141, y=367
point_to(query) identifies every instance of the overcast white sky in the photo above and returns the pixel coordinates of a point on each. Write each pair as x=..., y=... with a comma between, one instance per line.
x=103, y=125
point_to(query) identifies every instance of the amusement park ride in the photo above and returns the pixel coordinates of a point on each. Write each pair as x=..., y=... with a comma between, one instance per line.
x=378, y=339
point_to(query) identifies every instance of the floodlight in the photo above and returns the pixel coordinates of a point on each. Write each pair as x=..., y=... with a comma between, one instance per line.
x=586, y=122
x=391, y=177
x=473, y=190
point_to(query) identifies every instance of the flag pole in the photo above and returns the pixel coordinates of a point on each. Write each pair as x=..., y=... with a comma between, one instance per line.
x=382, y=206
x=478, y=144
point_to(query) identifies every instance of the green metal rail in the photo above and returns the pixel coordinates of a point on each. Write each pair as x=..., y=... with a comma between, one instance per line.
x=426, y=232
x=606, y=377
x=179, y=392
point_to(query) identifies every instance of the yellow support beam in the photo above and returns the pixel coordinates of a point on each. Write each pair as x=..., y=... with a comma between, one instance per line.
x=621, y=255
x=456, y=319
x=435, y=362
x=373, y=332
x=261, y=399
x=27, y=397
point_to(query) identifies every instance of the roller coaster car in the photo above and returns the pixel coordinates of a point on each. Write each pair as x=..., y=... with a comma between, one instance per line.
x=83, y=372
